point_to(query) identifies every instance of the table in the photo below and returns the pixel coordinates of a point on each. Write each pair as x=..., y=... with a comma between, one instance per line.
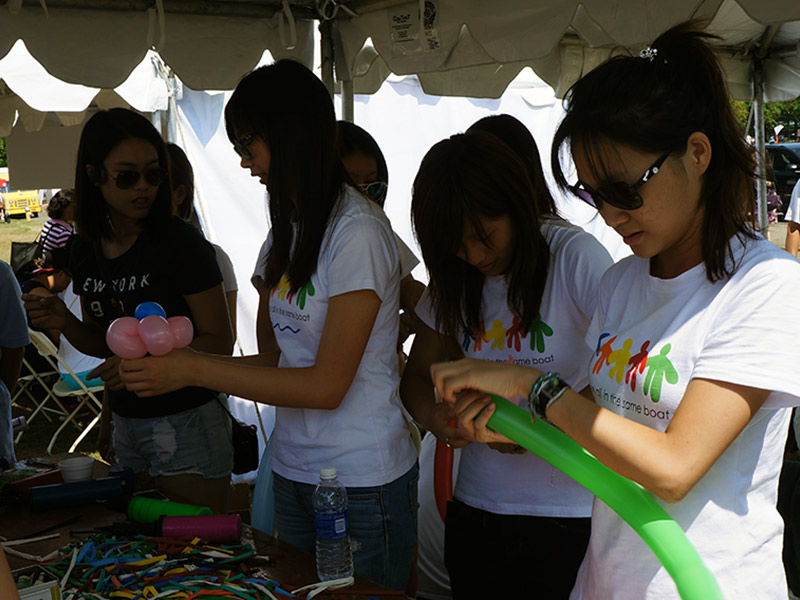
x=291, y=566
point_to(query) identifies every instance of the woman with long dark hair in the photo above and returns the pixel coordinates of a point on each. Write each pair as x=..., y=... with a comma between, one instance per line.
x=328, y=278
x=690, y=393
x=509, y=282
x=129, y=250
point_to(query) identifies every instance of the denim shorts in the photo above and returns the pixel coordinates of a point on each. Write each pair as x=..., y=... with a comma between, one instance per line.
x=195, y=441
x=383, y=525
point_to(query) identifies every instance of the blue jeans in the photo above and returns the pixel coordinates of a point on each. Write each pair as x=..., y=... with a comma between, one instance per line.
x=195, y=441
x=383, y=525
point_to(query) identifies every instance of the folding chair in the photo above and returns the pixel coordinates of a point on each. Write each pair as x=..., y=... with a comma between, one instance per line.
x=26, y=384
x=85, y=395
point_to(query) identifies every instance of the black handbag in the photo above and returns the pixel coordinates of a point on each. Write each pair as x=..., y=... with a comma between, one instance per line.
x=26, y=257
x=245, y=444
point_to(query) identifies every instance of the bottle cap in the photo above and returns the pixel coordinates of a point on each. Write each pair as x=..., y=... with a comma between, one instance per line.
x=327, y=473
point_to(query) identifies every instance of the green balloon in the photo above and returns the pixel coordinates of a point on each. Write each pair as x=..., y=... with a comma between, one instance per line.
x=628, y=499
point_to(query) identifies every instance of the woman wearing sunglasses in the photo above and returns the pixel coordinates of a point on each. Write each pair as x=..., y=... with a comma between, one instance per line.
x=688, y=400
x=129, y=250
x=328, y=278
x=509, y=282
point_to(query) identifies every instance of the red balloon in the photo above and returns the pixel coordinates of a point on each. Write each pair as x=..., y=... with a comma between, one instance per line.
x=182, y=330
x=442, y=477
x=156, y=335
x=123, y=338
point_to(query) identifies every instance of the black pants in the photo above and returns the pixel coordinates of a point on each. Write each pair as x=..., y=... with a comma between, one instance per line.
x=510, y=556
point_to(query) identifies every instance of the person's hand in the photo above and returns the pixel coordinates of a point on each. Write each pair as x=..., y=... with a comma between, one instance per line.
x=502, y=379
x=442, y=422
x=46, y=312
x=108, y=371
x=156, y=375
x=474, y=409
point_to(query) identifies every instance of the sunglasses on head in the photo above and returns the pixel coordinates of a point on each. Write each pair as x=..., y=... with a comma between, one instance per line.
x=242, y=146
x=128, y=178
x=618, y=193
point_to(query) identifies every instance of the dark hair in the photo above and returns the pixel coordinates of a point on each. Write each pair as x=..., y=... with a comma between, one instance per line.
x=461, y=180
x=289, y=109
x=356, y=140
x=653, y=104
x=59, y=203
x=516, y=136
x=101, y=134
x=182, y=174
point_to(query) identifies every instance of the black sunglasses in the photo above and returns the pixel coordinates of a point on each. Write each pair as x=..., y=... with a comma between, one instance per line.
x=242, y=146
x=618, y=194
x=128, y=178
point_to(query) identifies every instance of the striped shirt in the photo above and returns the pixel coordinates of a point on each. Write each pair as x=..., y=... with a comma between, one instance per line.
x=55, y=233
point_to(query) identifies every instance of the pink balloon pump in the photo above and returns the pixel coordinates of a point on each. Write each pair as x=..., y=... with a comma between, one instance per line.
x=212, y=528
x=129, y=338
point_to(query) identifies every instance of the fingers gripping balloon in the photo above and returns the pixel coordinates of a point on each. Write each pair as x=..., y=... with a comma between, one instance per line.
x=149, y=331
x=628, y=499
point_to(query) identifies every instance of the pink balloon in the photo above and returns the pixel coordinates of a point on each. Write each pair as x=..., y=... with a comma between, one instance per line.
x=123, y=338
x=156, y=335
x=182, y=329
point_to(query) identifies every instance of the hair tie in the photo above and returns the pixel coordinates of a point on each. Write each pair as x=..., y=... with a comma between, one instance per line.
x=648, y=53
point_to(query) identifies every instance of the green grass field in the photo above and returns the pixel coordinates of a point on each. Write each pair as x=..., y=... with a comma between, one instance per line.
x=18, y=230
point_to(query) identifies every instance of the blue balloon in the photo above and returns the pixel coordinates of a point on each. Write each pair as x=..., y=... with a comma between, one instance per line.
x=145, y=309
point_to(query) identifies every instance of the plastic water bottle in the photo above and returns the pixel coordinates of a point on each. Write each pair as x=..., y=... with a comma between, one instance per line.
x=334, y=555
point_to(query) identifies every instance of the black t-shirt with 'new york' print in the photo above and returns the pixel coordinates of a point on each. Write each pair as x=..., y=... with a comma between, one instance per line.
x=160, y=268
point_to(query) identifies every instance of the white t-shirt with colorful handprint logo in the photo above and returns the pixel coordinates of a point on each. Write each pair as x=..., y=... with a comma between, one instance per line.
x=524, y=484
x=651, y=338
x=367, y=437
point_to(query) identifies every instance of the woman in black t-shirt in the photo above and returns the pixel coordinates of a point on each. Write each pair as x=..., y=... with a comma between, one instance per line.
x=129, y=250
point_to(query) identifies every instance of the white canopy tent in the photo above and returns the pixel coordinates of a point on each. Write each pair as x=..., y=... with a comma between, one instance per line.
x=104, y=54
x=468, y=48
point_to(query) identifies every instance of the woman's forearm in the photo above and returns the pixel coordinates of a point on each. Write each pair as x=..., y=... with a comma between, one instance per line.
x=86, y=338
x=248, y=377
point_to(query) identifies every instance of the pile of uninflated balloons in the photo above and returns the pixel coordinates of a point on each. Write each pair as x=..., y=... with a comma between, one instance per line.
x=148, y=331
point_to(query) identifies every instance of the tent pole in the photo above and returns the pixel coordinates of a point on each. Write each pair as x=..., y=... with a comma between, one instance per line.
x=326, y=52
x=348, y=104
x=758, y=114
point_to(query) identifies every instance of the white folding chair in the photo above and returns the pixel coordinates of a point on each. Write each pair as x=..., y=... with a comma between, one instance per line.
x=85, y=395
x=26, y=386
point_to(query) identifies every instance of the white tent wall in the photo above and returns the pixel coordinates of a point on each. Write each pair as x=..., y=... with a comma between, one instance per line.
x=406, y=122
x=43, y=159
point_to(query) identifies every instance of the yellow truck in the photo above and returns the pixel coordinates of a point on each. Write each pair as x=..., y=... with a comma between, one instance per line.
x=17, y=202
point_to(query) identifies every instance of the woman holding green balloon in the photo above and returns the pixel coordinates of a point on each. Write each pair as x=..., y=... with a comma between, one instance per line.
x=488, y=187
x=688, y=401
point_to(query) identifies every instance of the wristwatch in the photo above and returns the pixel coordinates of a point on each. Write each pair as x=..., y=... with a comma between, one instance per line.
x=544, y=391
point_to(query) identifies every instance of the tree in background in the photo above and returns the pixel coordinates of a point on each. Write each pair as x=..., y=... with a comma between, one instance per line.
x=775, y=113
x=3, y=158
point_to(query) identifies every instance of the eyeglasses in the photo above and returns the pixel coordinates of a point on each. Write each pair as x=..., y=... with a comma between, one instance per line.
x=618, y=193
x=128, y=178
x=242, y=146
x=376, y=190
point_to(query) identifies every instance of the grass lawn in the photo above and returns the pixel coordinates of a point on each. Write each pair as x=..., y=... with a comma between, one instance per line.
x=18, y=230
